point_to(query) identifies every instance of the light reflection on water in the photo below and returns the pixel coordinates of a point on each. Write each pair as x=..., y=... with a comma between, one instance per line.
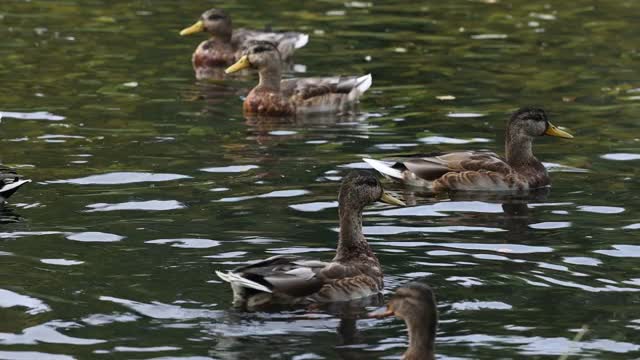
x=146, y=180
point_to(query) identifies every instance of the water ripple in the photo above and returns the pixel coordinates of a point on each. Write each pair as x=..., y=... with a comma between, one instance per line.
x=630, y=251
x=104, y=319
x=273, y=194
x=435, y=140
x=315, y=206
x=500, y=248
x=394, y=230
x=551, y=225
x=31, y=355
x=230, y=169
x=191, y=243
x=38, y=115
x=145, y=349
x=438, y=209
x=601, y=209
x=571, y=284
x=150, y=205
x=10, y=299
x=542, y=346
x=621, y=156
x=19, y=234
x=61, y=262
x=158, y=310
x=117, y=178
x=480, y=305
x=46, y=333
x=94, y=236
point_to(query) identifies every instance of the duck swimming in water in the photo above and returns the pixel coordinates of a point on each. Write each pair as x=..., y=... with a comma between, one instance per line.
x=274, y=96
x=226, y=44
x=415, y=303
x=354, y=272
x=519, y=170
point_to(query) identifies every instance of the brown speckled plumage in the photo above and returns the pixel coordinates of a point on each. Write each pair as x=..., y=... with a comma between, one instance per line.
x=276, y=97
x=519, y=170
x=354, y=272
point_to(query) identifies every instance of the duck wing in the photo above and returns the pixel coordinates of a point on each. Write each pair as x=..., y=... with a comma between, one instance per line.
x=348, y=281
x=435, y=166
x=306, y=88
x=287, y=42
x=461, y=170
x=288, y=275
x=323, y=94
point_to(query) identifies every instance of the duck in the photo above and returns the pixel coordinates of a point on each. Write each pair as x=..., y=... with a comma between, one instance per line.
x=415, y=303
x=274, y=96
x=353, y=273
x=226, y=44
x=10, y=182
x=519, y=170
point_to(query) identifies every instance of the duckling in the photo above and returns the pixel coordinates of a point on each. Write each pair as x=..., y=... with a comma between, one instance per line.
x=10, y=182
x=354, y=272
x=519, y=170
x=225, y=45
x=415, y=303
x=276, y=97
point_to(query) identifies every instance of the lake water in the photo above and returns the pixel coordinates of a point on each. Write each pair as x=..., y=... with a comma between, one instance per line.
x=146, y=180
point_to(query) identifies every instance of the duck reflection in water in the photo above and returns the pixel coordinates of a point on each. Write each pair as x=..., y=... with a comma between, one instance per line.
x=515, y=207
x=8, y=215
x=270, y=129
x=415, y=303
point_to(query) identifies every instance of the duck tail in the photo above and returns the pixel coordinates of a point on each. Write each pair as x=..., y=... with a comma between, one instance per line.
x=363, y=83
x=358, y=86
x=11, y=188
x=301, y=41
x=384, y=168
x=237, y=280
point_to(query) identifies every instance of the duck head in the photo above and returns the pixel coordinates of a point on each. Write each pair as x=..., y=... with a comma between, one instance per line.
x=531, y=122
x=214, y=21
x=360, y=189
x=258, y=55
x=415, y=303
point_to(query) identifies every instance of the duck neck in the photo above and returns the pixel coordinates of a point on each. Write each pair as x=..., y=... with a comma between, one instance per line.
x=270, y=78
x=222, y=35
x=421, y=341
x=351, y=238
x=519, y=150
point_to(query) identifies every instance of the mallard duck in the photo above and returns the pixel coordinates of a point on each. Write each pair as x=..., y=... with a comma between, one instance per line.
x=415, y=303
x=10, y=182
x=519, y=170
x=225, y=45
x=276, y=97
x=353, y=273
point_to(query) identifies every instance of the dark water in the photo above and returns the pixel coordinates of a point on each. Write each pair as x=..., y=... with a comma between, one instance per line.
x=145, y=180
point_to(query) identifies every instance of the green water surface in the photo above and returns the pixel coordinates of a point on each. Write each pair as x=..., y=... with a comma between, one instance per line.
x=146, y=180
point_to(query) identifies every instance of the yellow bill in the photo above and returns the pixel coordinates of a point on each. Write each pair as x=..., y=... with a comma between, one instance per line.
x=243, y=63
x=552, y=130
x=378, y=314
x=195, y=28
x=391, y=200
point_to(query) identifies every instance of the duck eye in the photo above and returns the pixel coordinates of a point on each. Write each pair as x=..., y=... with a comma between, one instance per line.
x=259, y=49
x=215, y=17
